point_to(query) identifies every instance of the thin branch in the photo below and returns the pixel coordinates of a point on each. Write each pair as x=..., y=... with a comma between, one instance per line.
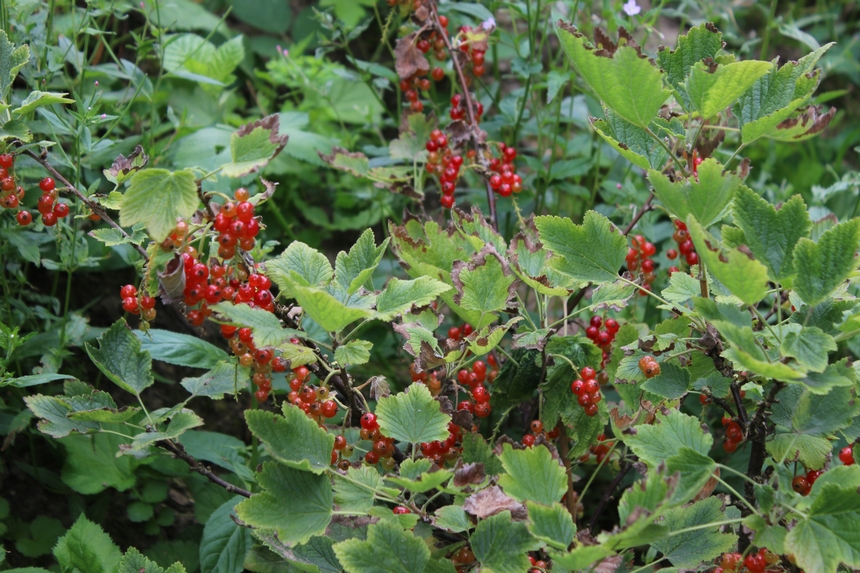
x=95, y=207
x=742, y=413
x=178, y=451
x=720, y=402
x=461, y=79
x=563, y=451
x=607, y=494
x=645, y=208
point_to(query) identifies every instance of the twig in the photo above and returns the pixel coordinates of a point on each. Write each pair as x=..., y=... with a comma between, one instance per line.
x=178, y=451
x=607, y=494
x=645, y=208
x=95, y=207
x=721, y=403
x=563, y=451
x=461, y=79
x=742, y=413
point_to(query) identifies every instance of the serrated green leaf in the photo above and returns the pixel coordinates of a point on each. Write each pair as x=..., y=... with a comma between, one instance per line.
x=477, y=450
x=532, y=474
x=120, y=358
x=673, y=381
x=112, y=237
x=632, y=142
x=809, y=346
x=16, y=129
x=551, y=524
x=529, y=261
x=400, y=297
x=88, y=548
x=583, y=557
x=180, y=421
x=485, y=284
x=835, y=375
x=156, y=197
x=224, y=378
x=744, y=277
x=665, y=438
x=822, y=266
x=707, y=196
x=829, y=534
x=500, y=545
x=92, y=464
x=39, y=99
x=694, y=470
x=486, y=339
x=452, y=518
x=265, y=326
x=771, y=235
x=712, y=91
x=701, y=42
x=478, y=230
x=293, y=439
x=682, y=287
x=297, y=504
x=12, y=59
x=326, y=310
x=628, y=84
x=224, y=543
x=647, y=495
x=180, y=349
x=354, y=269
x=810, y=450
x=411, y=143
x=355, y=493
x=354, y=352
x=253, y=145
x=387, y=549
x=424, y=483
x=300, y=264
x=591, y=252
x=412, y=416
x=693, y=547
x=135, y=562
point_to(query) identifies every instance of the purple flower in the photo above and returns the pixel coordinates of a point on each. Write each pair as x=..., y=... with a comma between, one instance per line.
x=631, y=8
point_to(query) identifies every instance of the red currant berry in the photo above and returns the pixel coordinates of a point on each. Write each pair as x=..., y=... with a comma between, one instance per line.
x=671, y=254
x=577, y=387
x=129, y=304
x=47, y=185
x=612, y=325
x=24, y=218
x=7, y=160
x=528, y=440
x=800, y=485
x=482, y=409
x=368, y=421
x=400, y=510
x=846, y=456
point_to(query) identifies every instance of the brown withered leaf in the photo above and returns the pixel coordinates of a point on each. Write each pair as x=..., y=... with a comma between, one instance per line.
x=408, y=58
x=171, y=282
x=379, y=388
x=462, y=418
x=621, y=421
x=466, y=474
x=122, y=166
x=492, y=500
x=810, y=119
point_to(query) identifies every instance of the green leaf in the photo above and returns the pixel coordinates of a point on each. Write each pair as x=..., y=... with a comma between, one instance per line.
x=693, y=547
x=253, y=145
x=120, y=358
x=625, y=81
x=352, y=270
x=425, y=483
x=810, y=450
x=707, y=196
x=500, y=545
x=452, y=518
x=411, y=143
x=294, y=439
x=326, y=310
x=771, y=235
x=532, y=474
x=822, y=266
x=713, y=90
x=297, y=504
x=673, y=381
x=646, y=495
x=112, y=237
x=181, y=420
x=399, y=297
x=387, y=549
x=355, y=493
x=682, y=287
x=809, y=346
x=484, y=284
x=38, y=99
x=219, y=449
x=694, y=469
x=134, y=562
x=266, y=327
x=632, y=142
x=41, y=537
x=12, y=59
x=224, y=543
x=591, y=252
x=225, y=378
x=53, y=413
x=88, y=548
x=412, y=416
x=744, y=277
x=529, y=261
x=553, y=524
x=180, y=349
x=353, y=352
x=665, y=438
x=477, y=450
x=829, y=534
x=703, y=41
x=478, y=230
x=16, y=129
x=300, y=264
x=156, y=197
x=139, y=512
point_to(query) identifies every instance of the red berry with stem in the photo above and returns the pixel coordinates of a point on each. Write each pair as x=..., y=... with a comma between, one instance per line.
x=800, y=485
x=692, y=258
x=846, y=456
x=596, y=321
x=129, y=304
x=47, y=185
x=447, y=201
x=755, y=563
x=482, y=409
x=7, y=160
x=128, y=291
x=329, y=409
x=24, y=218
x=528, y=440
x=400, y=510
x=577, y=387
x=368, y=421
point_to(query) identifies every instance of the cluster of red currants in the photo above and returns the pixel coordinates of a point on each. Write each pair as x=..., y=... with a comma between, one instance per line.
x=479, y=405
x=685, y=246
x=602, y=338
x=537, y=430
x=383, y=447
x=424, y=42
x=430, y=379
x=734, y=435
x=443, y=451
x=504, y=180
x=803, y=484
x=442, y=162
x=460, y=332
x=639, y=258
x=538, y=565
x=236, y=225
x=649, y=366
x=755, y=561
x=587, y=390
x=459, y=111
x=599, y=450
x=48, y=205
x=131, y=303
x=476, y=55
x=316, y=402
x=341, y=451
x=11, y=194
x=262, y=360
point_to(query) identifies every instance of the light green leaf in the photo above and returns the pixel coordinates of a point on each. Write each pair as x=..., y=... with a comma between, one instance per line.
x=293, y=439
x=12, y=59
x=810, y=450
x=300, y=264
x=591, y=252
x=665, y=438
x=224, y=543
x=387, y=549
x=253, y=145
x=16, y=129
x=632, y=142
x=712, y=91
x=682, y=287
x=297, y=504
x=809, y=346
x=92, y=464
x=744, y=277
x=477, y=450
x=829, y=535
x=87, y=547
x=354, y=352
x=326, y=310
x=484, y=284
x=694, y=469
x=356, y=494
x=701, y=42
x=500, y=545
x=400, y=296
x=706, y=197
x=647, y=495
x=627, y=83
x=412, y=416
x=551, y=524
x=478, y=230
x=180, y=421
x=486, y=339
x=135, y=562
x=673, y=381
x=38, y=99
x=156, y=197
x=112, y=237
x=352, y=270
x=297, y=354
x=180, y=349
x=693, y=547
x=532, y=475
x=452, y=518
x=771, y=235
x=424, y=483
x=265, y=326
x=224, y=378
x=120, y=358
x=822, y=266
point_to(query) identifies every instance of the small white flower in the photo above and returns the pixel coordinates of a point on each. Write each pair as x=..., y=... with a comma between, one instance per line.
x=489, y=24
x=631, y=8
